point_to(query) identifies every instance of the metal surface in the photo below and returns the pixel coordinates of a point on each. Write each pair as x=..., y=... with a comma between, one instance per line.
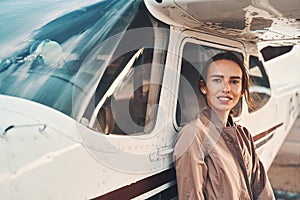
x=250, y=20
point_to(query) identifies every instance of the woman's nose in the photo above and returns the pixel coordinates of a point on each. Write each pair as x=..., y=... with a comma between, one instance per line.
x=226, y=87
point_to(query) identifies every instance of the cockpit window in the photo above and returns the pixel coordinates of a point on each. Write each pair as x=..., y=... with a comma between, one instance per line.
x=260, y=90
x=129, y=105
x=71, y=59
x=126, y=98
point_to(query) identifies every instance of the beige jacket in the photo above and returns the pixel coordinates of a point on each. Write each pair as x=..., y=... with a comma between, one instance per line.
x=217, y=162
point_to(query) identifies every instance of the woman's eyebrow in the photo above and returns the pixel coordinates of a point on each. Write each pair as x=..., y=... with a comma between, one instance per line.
x=235, y=77
x=221, y=76
x=217, y=76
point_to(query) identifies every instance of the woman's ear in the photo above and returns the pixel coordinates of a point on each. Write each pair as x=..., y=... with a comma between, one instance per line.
x=242, y=93
x=203, y=90
x=202, y=87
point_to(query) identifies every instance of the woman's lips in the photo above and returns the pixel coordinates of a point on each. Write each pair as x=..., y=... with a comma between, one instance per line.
x=224, y=99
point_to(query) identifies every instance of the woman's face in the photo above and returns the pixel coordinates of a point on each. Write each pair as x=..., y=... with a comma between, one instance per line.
x=223, y=86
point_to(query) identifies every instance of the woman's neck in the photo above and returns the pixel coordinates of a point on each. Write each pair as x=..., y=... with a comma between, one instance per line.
x=223, y=115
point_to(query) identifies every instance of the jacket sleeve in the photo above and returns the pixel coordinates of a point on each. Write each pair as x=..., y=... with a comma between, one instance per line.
x=260, y=183
x=190, y=167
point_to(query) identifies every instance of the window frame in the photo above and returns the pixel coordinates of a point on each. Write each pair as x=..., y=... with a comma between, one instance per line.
x=213, y=42
x=158, y=60
x=265, y=78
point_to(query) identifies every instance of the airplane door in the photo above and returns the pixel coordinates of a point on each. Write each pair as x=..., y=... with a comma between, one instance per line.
x=187, y=63
x=195, y=54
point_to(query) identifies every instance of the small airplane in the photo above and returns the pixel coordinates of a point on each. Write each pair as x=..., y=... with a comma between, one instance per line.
x=93, y=93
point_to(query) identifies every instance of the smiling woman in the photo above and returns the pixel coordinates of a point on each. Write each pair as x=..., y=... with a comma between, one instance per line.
x=223, y=86
x=212, y=153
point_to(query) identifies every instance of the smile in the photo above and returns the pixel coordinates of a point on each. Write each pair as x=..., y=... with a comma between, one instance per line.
x=224, y=98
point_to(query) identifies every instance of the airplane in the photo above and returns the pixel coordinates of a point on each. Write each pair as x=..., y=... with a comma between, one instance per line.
x=93, y=93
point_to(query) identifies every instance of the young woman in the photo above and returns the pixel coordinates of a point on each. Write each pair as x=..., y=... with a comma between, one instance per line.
x=214, y=157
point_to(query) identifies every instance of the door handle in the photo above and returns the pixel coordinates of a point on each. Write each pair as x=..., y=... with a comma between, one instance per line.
x=161, y=153
x=164, y=152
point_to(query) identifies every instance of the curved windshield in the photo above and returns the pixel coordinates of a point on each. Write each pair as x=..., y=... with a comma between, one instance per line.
x=58, y=56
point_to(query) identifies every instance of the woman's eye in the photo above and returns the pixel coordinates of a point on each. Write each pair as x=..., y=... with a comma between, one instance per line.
x=235, y=81
x=217, y=80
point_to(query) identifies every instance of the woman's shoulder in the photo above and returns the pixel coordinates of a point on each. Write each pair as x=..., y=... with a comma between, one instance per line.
x=189, y=137
x=195, y=128
x=199, y=122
